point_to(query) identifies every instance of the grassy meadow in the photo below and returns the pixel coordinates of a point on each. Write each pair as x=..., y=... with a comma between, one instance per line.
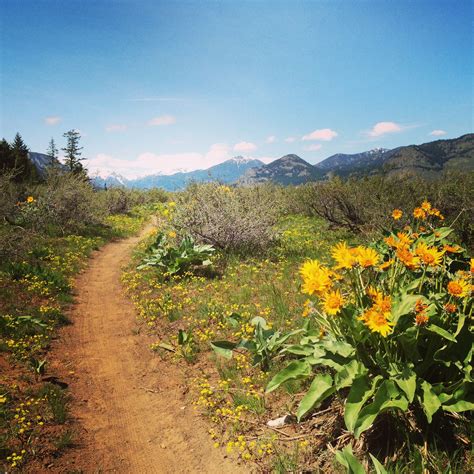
x=316, y=329
x=361, y=340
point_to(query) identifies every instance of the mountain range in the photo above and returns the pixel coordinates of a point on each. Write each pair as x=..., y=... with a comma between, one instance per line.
x=227, y=172
x=427, y=159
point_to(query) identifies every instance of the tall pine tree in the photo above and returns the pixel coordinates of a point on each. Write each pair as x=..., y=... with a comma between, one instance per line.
x=7, y=160
x=23, y=168
x=52, y=150
x=72, y=153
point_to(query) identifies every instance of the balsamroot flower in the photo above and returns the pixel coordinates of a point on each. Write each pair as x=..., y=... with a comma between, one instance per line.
x=333, y=301
x=419, y=213
x=376, y=321
x=367, y=257
x=343, y=255
x=397, y=214
x=429, y=255
x=459, y=288
x=316, y=278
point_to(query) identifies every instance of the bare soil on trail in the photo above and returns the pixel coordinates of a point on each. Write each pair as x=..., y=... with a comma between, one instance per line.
x=129, y=405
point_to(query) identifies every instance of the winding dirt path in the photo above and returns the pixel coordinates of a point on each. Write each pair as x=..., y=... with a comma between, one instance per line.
x=130, y=405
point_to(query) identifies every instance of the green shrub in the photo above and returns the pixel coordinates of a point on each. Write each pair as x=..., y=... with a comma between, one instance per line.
x=68, y=203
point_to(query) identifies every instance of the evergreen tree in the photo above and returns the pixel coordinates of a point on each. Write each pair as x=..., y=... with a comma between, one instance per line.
x=7, y=160
x=24, y=169
x=73, y=153
x=52, y=150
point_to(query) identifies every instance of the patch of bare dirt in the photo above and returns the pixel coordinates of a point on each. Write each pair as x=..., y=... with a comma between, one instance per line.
x=129, y=406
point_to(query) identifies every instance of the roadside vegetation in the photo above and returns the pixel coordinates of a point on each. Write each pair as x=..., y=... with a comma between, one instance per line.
x=48, y=228
x=331, y=327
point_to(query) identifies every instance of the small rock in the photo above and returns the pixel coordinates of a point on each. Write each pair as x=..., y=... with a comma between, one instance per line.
x=278, y=422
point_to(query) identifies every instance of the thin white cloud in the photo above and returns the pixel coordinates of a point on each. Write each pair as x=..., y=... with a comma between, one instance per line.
x=313, y=147
x=52, y=120
x=157, y=99
x=162, y=120
x=383, y=128
x=244, y=147
x=438, y=133
x=323, y=134
x=290, y=139
x=271, y=139
x=116, y=128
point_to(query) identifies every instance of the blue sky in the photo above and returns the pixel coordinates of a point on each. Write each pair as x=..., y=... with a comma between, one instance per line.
x=160, y=86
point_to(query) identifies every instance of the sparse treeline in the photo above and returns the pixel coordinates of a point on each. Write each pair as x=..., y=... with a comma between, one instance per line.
x=14, y=160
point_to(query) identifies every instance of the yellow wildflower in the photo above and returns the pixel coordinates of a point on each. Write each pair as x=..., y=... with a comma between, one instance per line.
x=397, y=214
x=367, y=257
x=333, y=302
x=316, y=278
x=419, y=213
x=386, y=264
x=426, y=206
x=459, y=288
x=30, y=199
x=343, y=256
x=408, y=259
x=377, y=322
x=429, y=255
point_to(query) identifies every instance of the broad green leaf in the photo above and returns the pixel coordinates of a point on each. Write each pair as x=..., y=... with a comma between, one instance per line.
x=408, y=341
x=294, y=370
x=430, y=401
x=320, y=389
x=328, y=360
x=406, y=380
x=234, y=319
x=362, y=389
x=379, y=469
x=350, y=371
x=340, y=348
x=463, y=399
x=461, y=320
x=223, y=348
x=299, y=350
x=349, y=461
x=459, y=406
x=404, y=305
x=441, y=332
x=387, y=397
x=442, y=232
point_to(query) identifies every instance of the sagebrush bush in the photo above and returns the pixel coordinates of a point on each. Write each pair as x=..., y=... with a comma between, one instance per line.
x=68, y=203
x=364, y=205
x=231, y=219
x=122, y=200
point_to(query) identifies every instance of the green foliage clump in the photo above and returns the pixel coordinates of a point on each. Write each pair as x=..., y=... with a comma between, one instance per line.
x=390, y=332
x=173, y=260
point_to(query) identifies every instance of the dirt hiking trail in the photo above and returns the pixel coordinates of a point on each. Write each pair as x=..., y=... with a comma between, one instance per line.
x=130, y=404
